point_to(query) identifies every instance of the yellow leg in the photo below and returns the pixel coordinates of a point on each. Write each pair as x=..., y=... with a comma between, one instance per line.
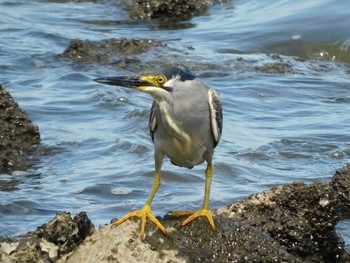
x=204, y=211
x=146, y=211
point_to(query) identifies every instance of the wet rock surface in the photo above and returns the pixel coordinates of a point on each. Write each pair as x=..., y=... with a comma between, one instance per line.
x=18, y=135
x=134, y=55
x=289, y=223
x=341, y=185
x=165, y=9
x=108, y=49
x=232, y=241
x=300, y=217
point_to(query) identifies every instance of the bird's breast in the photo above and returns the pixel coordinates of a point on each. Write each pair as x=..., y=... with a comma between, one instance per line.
x=182, y=153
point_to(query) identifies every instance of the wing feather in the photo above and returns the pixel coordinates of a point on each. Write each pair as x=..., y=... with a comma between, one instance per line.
x=216, y=118
x=152, y=124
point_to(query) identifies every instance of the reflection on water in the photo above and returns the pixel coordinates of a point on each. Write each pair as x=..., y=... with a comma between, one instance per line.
x=286, y=115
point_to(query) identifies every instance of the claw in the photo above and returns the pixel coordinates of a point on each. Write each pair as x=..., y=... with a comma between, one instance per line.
x=203, y=212
x=144, y=213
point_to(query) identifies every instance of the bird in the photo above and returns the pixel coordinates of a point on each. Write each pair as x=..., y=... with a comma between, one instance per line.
x=185, y=125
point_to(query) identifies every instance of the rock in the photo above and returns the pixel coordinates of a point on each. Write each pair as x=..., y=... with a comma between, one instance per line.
x=232, y=241
x=275, y=68
x=121, y=244
x=341, y=185
x=300, y=217
x=289, y=223
x=108, y=49
x=165, y=9
x=134, y=55
x=29, y=250
x=49, y=242
x=18, y=136
x=195, y=243
x=66, y=233
x=178, y=10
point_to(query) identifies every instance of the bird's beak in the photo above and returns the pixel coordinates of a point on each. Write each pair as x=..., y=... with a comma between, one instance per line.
x=137, y=83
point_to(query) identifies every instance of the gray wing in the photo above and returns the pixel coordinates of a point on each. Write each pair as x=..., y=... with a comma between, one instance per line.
x=152, y=124
x=216, y=118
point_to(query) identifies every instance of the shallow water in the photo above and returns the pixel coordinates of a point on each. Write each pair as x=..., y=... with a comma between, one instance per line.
x=97, y=154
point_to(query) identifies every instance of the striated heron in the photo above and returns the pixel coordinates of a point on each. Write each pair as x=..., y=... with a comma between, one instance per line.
x=185, y=125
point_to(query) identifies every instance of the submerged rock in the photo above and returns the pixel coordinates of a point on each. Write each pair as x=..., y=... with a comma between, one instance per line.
x=289, y=223
x=18, y=135
x=108, y=49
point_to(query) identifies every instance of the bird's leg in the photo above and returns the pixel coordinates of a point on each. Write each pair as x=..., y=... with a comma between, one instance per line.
x=146, y=211
x=204, y=211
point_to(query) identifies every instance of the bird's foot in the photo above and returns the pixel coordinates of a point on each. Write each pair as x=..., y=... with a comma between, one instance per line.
x=193, y=215
x=144, y=213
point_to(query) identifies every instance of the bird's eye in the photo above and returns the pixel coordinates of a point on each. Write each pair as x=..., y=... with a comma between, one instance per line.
x=161, y=79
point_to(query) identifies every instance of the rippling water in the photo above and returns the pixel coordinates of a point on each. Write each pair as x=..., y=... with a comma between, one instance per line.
x=98, y=156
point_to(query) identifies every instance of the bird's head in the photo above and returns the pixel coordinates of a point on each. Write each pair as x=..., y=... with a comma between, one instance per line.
x=155, y=85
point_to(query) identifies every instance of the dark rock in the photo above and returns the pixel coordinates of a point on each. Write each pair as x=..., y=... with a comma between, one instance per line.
x=300, y=217
x=108, y=49
x=49, y=242
x=232, y=241
x=18, y=136
x=165, y=9
x=65, y=232
x=341, y=185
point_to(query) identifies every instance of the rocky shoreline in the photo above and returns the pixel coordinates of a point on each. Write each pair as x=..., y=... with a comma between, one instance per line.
x=288, y=223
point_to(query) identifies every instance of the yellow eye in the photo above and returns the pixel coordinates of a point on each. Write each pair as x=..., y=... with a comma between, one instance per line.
x=161, y=79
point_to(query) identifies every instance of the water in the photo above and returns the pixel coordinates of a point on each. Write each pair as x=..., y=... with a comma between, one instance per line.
x=97, y=154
